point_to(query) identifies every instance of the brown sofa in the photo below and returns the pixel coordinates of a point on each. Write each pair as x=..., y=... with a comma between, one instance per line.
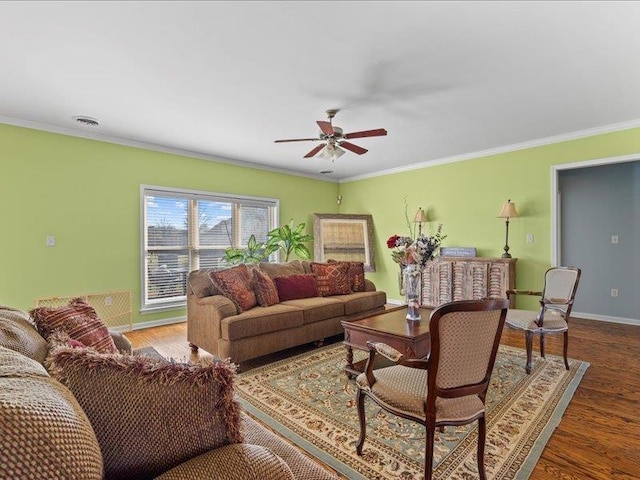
x=115, y=416
x=214, y=324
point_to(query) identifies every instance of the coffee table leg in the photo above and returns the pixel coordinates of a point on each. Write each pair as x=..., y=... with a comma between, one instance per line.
x=349, y=361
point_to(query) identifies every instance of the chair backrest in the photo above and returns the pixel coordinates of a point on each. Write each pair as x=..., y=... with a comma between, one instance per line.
x=464, y=342
x=560, y=285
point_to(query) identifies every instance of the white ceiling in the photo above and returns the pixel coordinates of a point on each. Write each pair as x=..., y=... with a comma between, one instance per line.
x=225, y=79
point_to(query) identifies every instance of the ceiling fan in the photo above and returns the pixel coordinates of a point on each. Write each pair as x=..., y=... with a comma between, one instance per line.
x=333, y=138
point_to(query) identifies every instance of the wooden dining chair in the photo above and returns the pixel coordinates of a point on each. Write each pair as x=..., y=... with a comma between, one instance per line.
x=447, y=388
x=556, y=302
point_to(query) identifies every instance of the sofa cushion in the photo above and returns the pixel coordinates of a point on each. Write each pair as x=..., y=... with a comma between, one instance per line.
x=356, y=275
x=18, y=333
x=291, y=287
x=264, y=288
x=150, y=415
x=332, y=278
x=318, y=308
x=294, y=267
x=45, y=433
x=259, y=321
x=79, y=320
x=361, y=301
x=235, y=283
x=200, y=283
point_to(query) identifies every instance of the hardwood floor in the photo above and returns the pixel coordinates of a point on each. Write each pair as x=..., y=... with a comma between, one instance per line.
x=599, y=435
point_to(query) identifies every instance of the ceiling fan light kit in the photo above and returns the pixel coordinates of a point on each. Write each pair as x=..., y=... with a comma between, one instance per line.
x=334, y=138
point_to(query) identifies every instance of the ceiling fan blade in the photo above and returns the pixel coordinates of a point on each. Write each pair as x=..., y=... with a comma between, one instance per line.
x=353, y=148
x=297, y=140
x=326, y=127
x=366, y=133
x=314, y=151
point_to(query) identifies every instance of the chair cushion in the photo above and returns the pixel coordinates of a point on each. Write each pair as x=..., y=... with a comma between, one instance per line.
x=526, y=320
x=291, y=287
x=150, y=415
x=332, y=278
x=405, y=389
x=259, y=321
x=318, y=308
x=44, y=433
x=264, y=288
x=18, y=333
x=362, y=301
x=235, y=283
x=79, y=320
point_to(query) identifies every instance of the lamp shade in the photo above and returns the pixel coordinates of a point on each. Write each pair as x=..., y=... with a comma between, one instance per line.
x=508, y=210
x=420, y=216
x=331, y=152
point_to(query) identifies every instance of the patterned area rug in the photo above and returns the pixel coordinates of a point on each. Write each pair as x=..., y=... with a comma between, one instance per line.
x=310, y=401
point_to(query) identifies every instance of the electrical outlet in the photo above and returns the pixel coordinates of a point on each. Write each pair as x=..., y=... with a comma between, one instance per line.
x=529, y=237
x=51, y=241
x=108, y=300
x=614, y=292
x=614, y=239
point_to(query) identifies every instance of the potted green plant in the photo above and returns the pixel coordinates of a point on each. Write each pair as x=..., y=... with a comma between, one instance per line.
x=289, y=239
x=255, y=252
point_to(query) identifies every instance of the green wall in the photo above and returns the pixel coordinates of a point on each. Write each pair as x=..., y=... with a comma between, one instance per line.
x=466, y=198
x=87, y=194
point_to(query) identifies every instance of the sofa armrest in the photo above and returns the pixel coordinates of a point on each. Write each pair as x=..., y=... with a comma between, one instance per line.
x=369, y=286
x=204, y=320
x=239, y=461
x=122, y=343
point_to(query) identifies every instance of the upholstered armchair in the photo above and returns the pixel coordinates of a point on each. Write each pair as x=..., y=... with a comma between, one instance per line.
x=556, y=302
x=447, y=388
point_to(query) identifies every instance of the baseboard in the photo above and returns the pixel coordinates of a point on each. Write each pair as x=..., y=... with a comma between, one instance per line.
x=393, y=301
x=149, y=324
x=606, y=318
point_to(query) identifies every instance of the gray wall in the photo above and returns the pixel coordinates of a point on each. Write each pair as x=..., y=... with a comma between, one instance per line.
x=596, y=203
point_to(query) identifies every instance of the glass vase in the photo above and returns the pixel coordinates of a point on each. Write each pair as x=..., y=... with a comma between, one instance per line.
x=412, y=281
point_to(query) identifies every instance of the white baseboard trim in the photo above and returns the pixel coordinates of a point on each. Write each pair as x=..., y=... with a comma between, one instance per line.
x=149, y=324
x=393, y=301
x=606, y=318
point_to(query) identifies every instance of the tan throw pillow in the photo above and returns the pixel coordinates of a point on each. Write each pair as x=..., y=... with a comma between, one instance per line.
x=18, y=333
x=331, y=278
x=356, y=275
x=79, y=320
x=235, y=283
x=150, y=415
x=265, y=290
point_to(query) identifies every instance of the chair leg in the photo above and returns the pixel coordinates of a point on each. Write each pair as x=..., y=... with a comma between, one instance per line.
x=428, y=461
x=565, y=349
x=529, y=341
x=482, y=433
x=363, y=425
x=542, y=345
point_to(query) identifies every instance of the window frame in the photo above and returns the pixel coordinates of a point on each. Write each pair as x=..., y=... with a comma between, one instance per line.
x=153, y=306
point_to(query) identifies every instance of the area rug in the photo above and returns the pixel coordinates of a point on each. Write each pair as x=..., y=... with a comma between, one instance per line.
x=310, y=401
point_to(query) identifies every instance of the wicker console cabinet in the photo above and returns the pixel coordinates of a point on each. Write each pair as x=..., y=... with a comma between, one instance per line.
x=467, y=278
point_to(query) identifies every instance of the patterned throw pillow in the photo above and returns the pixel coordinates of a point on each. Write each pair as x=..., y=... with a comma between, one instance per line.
x=79, y=320
x=292, y=287
x=332, y=278
x=356, y=275
x=264, y=288
x=235, y=284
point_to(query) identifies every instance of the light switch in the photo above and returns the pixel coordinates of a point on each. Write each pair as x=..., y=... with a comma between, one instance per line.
x=51, y=241
x=529, y=237
x=614, y=239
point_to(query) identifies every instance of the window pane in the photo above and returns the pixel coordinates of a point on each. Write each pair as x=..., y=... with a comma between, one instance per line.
x=215, y=224
x=254, y=220
x=166, y=273
x=166, y=221
x=211, y=258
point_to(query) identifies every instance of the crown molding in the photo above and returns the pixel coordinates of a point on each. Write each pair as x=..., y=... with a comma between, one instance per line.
x=616, y=127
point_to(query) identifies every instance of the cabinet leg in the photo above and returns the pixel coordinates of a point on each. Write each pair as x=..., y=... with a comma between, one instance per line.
x=194, y=348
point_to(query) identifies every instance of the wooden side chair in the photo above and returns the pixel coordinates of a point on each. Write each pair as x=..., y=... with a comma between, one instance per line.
x=447, y=388
x=556, y=302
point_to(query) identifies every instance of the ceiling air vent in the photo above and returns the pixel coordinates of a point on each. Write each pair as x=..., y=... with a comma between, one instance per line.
x=86, y=121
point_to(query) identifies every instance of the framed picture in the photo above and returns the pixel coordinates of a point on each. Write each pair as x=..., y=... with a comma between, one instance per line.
x=344, y=238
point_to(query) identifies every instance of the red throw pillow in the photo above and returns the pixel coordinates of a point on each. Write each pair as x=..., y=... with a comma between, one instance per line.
x=356, y=275
x=264, y=288
x=331, y=278
x=79, y=320
x=291, y=287
x=235, y=284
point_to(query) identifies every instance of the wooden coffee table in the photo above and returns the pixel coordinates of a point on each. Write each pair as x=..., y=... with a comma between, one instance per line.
x=391, y=327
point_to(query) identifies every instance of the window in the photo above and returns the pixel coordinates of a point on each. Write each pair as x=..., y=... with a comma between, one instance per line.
x=184, y=230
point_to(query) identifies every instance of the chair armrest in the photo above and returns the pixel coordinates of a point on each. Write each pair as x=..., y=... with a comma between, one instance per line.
x=392, y=354
x=239, y=461
x=122, y=343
